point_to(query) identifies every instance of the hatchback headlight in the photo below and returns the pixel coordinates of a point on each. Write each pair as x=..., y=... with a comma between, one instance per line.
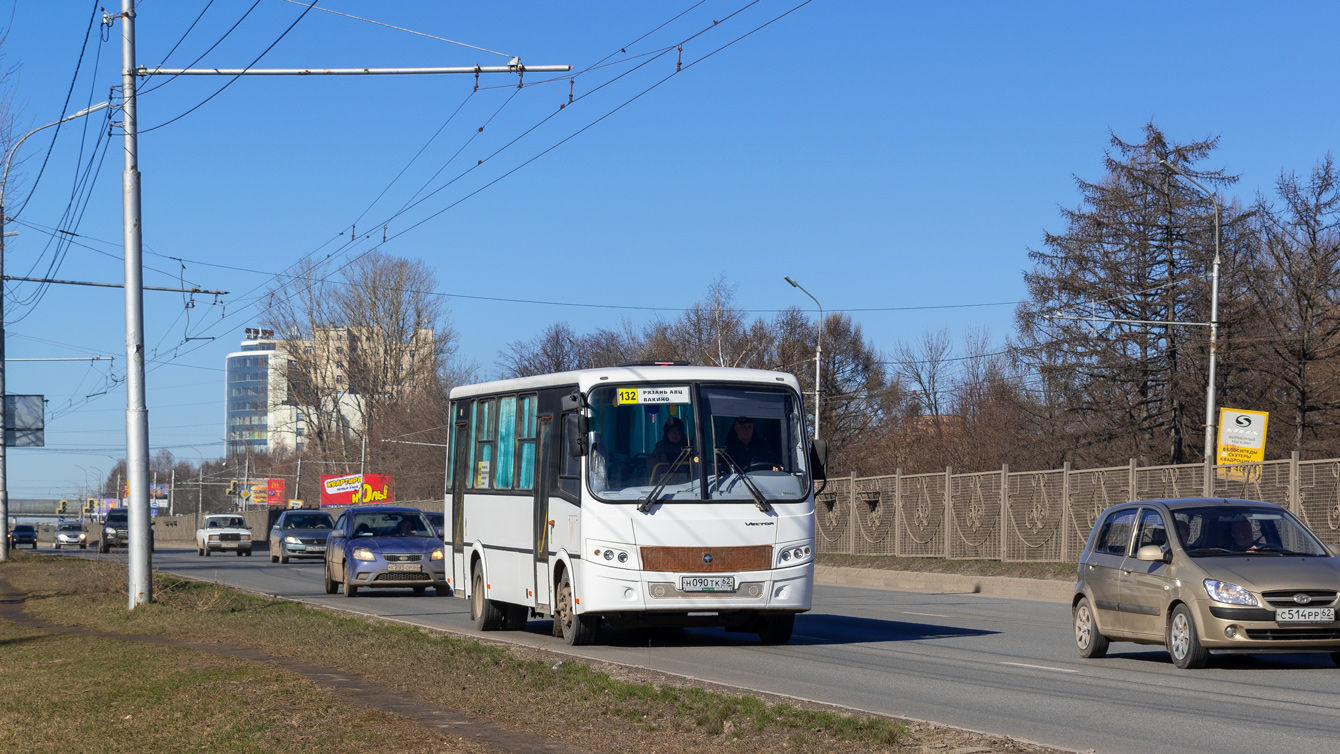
x=437, y=554
x=83, y=536
x=292, y=540
x=1230, y=594
x=363, y=553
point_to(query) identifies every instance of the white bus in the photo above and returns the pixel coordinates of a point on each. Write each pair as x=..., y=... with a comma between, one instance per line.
x=642, y=495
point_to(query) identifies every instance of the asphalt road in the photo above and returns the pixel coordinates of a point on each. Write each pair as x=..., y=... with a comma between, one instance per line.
x=995, y=665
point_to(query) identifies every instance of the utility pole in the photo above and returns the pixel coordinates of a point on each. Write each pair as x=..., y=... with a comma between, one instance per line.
x=200, y=495
x=363, y=458
x=172, y=494
x=297, y=485
x=137, y=413
x=246, y=481
x=4, y=476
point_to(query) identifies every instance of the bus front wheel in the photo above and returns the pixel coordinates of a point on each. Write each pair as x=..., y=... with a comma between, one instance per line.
x=483, y=611
x=776, y=629
x=576, y=629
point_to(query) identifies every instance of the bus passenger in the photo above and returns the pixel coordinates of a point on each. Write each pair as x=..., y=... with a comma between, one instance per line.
x=669, y=446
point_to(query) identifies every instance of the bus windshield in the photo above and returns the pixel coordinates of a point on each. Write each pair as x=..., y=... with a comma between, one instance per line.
x=713, y=443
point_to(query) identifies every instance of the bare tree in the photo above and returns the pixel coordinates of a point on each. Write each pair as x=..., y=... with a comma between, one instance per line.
x=1295, y=287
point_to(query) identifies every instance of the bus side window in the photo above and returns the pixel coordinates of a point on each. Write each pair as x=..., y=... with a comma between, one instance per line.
x=570, y=468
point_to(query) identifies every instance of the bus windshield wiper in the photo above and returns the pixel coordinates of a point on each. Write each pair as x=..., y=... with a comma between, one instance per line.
x=759, y=500
x=656, y=491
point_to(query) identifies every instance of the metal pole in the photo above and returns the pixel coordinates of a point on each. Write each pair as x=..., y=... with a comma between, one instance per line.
x=363, y=458
x=200, y=495
x=137, y=413
x=4, y=470
x=246, y=480
x=818, y=351
x=1210, y=419
x=172, y=494
x=297, y=486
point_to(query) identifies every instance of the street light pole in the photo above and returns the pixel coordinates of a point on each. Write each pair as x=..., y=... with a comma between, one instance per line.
x=1210, y=419
x=4, y=476
x=818, y=351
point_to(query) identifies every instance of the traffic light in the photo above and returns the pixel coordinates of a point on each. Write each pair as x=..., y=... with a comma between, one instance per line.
x=90, y=506
x=61, y=508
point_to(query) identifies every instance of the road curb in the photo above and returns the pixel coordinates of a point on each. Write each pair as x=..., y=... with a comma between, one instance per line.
x=1041, y=590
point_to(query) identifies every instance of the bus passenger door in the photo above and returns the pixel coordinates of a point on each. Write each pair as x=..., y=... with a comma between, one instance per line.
x=543, y=452
x=455, y=523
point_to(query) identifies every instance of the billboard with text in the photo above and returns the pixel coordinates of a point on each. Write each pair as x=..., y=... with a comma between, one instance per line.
x=357, y=489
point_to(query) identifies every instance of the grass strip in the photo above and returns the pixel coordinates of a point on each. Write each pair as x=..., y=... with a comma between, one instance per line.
x=520, y=688
x=1046, y=571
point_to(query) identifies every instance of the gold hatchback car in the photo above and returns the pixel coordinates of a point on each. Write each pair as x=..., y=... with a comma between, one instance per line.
x=1206, y=574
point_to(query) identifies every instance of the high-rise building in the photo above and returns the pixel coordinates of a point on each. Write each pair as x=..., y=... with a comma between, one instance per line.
x=257, y=418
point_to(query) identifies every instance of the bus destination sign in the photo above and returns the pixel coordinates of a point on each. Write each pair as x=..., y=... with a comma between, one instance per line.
x=630, y=396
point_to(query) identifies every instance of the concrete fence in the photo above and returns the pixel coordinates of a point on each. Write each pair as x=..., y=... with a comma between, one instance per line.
x=1046, y=515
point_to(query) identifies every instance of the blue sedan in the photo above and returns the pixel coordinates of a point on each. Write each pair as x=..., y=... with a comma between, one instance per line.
x=380, y=547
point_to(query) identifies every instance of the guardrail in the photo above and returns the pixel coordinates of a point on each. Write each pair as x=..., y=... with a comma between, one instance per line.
x=1046, y=515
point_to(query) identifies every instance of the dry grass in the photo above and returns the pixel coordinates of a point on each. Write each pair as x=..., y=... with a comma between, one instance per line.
x=1045, y=571
x=524, y=689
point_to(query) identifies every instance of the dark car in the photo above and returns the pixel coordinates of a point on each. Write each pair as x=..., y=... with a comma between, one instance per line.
x=437, y=519
x=378, y=547
x=23, y=534
x=300, y=534
x=116, y=531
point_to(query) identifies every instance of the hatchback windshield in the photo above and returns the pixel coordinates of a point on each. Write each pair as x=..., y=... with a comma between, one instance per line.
x=1237, y=531
x=71, y=527
x=716, y=442
x=391, y=524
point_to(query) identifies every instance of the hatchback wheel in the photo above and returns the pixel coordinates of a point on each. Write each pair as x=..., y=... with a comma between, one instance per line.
x=350, y=589
x=1088, y=641
x=331, y=586
x=1183, y=642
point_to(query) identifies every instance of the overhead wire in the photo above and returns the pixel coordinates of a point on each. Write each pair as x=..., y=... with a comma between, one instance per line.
x=233, y=80
x=64, y=109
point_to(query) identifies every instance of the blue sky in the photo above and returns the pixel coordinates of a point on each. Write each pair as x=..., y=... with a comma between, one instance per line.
x=883, y=154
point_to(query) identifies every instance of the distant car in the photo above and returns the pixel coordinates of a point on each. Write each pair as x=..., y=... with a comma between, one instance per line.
x=379, y=547
x=23, y=534
x=437, y=519
x=116, y=530
x=69, y=535
x=300, y=534
x=221, y=533
x=1199, y=575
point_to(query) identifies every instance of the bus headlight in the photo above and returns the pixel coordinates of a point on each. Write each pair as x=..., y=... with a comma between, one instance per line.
x=794, y=553
x=616, y=555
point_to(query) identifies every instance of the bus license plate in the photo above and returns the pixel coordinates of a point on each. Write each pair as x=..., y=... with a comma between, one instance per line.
x=706, y=583
x=1305, y=615
x=402, y=566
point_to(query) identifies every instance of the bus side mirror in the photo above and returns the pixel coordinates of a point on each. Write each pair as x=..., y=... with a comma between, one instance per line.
x=575, y=428
x=819, y=458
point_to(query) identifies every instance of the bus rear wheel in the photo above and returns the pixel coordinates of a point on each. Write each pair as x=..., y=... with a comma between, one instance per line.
x=483, y=611
x=576, y=629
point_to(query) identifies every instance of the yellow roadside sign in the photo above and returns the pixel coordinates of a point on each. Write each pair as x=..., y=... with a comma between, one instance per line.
x=1242, y=439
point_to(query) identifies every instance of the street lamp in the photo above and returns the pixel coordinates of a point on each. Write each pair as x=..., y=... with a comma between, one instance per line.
x=4, y=179
x=1210, y=419
x=818, y=351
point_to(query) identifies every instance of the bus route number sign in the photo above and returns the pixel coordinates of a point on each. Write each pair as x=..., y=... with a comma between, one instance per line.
x=632, y=396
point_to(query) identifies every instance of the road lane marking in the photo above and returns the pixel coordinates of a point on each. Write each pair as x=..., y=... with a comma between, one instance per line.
x=1039, y=667
x=930, y=615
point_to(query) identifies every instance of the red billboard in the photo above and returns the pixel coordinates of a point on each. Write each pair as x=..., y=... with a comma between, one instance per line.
x=357, y=489
x=274, y=492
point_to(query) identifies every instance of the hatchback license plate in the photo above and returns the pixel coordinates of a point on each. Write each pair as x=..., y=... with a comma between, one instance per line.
x=1305, y=615
x=402, y=566
x=706, y=583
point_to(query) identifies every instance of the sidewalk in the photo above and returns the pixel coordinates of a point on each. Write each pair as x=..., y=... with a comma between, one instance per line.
x=946, y=583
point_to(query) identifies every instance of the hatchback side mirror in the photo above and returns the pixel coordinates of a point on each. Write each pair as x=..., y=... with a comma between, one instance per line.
x=1153, y=554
